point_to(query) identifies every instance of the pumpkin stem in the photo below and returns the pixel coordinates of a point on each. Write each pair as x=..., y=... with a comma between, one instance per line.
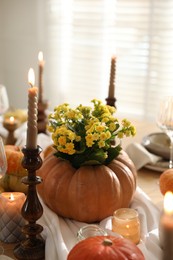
x=107, y=242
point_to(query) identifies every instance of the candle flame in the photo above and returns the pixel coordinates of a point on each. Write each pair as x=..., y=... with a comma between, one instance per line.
x=40, y=56
x=11, y=119
x=31, y=77
x=11, y=196
x=168, y=203
x=127, y=226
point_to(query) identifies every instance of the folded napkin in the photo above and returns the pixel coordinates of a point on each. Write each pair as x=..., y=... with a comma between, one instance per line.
x=140, y=156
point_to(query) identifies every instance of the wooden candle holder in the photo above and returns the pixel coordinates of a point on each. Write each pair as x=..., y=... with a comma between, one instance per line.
x=42, y=117
x=111, y=101
x=10, y=127
x=33, y=247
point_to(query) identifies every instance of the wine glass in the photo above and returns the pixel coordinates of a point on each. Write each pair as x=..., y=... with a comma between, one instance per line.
x=4, y=102
x=3, y=169
x=3, y=159
x=165, y=122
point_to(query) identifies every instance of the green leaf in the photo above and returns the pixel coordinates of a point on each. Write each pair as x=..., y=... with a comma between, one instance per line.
x=113, y=152
x=91, y=162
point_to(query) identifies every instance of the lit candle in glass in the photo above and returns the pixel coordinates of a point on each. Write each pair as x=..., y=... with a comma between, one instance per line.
x=11, y=121
x=31, y=141
x=166, y=227
x=11, y=220
x=126, y=222
x=11, y=124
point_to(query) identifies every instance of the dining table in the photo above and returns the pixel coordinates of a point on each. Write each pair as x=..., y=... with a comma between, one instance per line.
x=60, y=233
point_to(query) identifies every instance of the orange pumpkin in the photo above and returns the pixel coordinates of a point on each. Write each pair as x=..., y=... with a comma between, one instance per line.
x=14, y=160
x=11, y=181
x=101, y=248
x=166, y=181
x=90, y=193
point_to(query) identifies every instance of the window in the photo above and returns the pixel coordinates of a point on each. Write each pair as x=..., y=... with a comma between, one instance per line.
x=81, y=37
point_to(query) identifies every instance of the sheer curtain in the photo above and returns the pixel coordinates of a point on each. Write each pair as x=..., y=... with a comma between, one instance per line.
x=81, y=37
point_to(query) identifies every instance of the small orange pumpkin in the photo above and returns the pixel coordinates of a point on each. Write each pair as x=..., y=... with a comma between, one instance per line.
x=101, y=248
x=166, y=181
x=90, y=193
x=14, y=160
x=11, y=181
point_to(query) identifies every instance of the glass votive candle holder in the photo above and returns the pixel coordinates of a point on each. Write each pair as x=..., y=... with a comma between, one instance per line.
x=90, y=231
x=126, y=222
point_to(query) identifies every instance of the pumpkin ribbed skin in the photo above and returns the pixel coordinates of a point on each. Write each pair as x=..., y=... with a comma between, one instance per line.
x=105, y=248
x=90, y=193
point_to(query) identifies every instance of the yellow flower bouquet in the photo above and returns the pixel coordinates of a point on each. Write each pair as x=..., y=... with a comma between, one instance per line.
x=84, y=135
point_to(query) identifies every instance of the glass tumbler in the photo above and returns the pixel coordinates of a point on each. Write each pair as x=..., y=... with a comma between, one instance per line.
x=125, y=221
x=90, y=231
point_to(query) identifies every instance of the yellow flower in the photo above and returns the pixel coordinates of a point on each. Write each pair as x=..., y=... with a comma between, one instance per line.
x=108, y=134
x=103, y=136
x=100, y=128
x=101, y=143
x=70, y=148
x=78, y=138
x=133, y=130
x=120, y=135
x=105, y=119
x=126, y=123
x=62, y=140
x=87, y=132
x=71, y=114
x=95, y=136
x=89, y=140
x=112, y=127
x=71, y=135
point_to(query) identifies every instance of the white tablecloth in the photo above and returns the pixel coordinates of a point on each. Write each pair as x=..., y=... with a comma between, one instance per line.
x=61, y=233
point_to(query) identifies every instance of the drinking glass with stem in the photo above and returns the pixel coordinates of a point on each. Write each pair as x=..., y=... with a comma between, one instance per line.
x=3, y=169
x=165, y=122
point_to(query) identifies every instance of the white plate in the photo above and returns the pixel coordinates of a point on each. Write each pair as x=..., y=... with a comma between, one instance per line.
x=158, y=144
x=160, y=166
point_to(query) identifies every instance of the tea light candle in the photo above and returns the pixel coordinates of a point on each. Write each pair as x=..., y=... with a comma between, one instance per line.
x=11, y=220
x=40, y=77
x=112, y=78
x=11, y=124
x=31, y=141
x=11, y=120
x=125, y=222
x=166, y=227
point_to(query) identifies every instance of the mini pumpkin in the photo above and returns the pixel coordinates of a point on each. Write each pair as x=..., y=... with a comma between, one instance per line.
x=11, y=181
x=105, y=247
x=166, y=181
x=89, y=193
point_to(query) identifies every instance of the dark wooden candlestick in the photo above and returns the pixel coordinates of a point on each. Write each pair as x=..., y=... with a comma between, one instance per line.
x=42, y=104
x=42, y=116
x=111, y=102
x=33, y=247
